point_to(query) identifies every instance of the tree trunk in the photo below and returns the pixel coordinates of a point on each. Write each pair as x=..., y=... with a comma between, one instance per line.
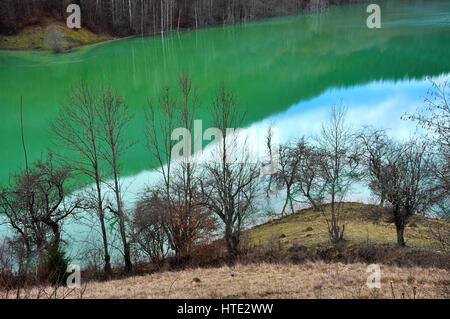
x=56, y=232
x=291, y=205
x=126, y=246
x=101, y=216
x=107, y=267
x=284, y=206
x=123, y=234
x=400, y=235
x=313, y=203
x=231, y=240
x=382, y=199
x=334, y=227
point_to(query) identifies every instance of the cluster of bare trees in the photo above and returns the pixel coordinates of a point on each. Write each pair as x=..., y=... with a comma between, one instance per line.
x=321, y=171
x=409, y=177
x=40, y=198
x=406, y=176
x=435, y=118
x=34, y=206
x=126, y=17
x=230, y=188
x=180, y=211
x=184, y=222
x=193, y=196
x=192, y=202
x=400, y=174
x=92, y=126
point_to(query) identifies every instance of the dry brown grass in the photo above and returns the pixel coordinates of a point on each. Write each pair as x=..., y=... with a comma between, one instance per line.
x=309, y=280
x=300, y=264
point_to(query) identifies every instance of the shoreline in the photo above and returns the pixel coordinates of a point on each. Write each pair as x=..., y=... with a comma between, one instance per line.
x=105, y=38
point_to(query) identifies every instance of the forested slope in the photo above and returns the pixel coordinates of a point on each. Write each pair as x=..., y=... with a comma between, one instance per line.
x=130, y=17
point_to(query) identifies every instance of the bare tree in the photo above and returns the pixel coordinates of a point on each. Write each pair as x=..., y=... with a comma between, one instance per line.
x=307, y=173
x=30, y=233
x=401, y=175
x=230, y=185
x=114, y=118
x=435, y=117
x=338, y=164
x=161, y=122
x=77, y=129
x=284, y=178
x=377, y=148
x=297, y=174
x=54, y=39
x=36, y=204
x=188, y=213
x=409, y=184
x=50, y=200
x=148, y=227
x=7, y=256
x=190, y=222
x=186, y=221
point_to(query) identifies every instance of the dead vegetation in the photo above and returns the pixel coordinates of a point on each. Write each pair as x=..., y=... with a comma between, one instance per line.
x=264, y=280
x=286, y=258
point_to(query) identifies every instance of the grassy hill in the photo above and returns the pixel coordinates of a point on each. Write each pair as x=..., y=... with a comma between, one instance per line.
x=364, y=224
x=32, y=38
x=368, y=238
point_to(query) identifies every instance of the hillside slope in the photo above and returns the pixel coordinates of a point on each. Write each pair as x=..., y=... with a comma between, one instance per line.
x=32, y=38
x=364, y=224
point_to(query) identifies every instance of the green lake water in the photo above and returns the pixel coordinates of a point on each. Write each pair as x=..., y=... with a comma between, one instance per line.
x=270, y=64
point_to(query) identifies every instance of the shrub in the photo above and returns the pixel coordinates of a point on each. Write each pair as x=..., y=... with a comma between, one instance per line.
x=53, y=266
x=54, y=39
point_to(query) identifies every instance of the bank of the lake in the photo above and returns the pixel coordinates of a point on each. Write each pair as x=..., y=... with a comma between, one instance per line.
x=32, y=38
x=31, y=35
